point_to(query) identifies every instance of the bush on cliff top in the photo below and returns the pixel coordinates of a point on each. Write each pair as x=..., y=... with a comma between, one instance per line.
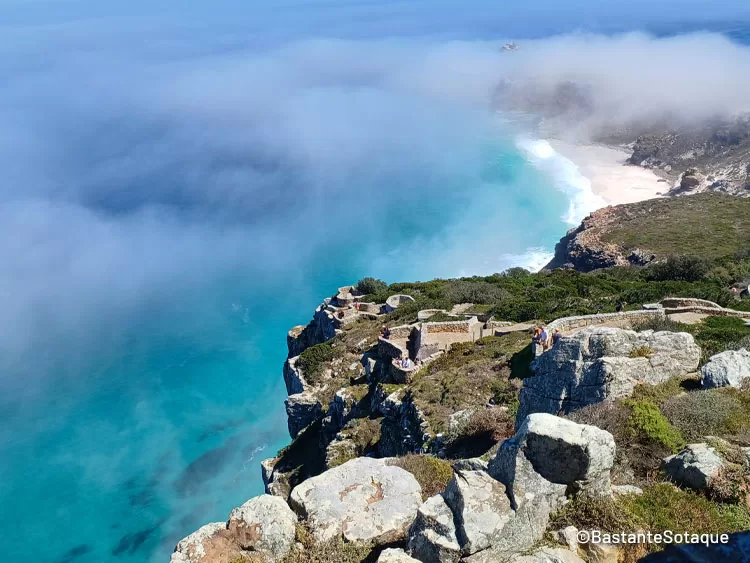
x=648, y=420
x=312, y=361
x=370, y=286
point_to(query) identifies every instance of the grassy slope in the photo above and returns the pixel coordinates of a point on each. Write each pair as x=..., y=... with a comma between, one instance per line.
x=705, y=225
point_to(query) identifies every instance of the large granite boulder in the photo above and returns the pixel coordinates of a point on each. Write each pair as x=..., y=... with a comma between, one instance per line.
x=551, y=454
x=548, y=458
x=265, y=525
x=481, y=508
x=363, y=500
x=302, y=409
x=432, y=537
x=209, y=544
x=601, y=363
x=726, y=368
x=694, y=467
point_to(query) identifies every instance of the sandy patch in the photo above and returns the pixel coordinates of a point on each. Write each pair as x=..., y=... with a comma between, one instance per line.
x=611, y=178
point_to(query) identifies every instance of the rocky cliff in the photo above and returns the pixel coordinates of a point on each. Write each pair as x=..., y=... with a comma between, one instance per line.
x=705, y=225
x=710, y=157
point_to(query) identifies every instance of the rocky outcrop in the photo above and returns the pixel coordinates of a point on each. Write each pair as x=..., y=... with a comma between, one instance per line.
x=729, y=368
x=302, y=409
x=481, y=507
x=208, y=544
x=550, y=455
x=264, y=525
x=584, y=248
x=404, y=428
x=601, y=363
x=695, y=466
x=713, y=156
x=293, y=377
x=320, y=329
x=362, y=500
x=432, y=537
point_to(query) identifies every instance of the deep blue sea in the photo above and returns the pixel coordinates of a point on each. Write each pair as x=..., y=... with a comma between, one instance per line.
x=181, y=189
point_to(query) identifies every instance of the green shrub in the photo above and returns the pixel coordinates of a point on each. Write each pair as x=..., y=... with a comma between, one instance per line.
x=370, y=286
x=647, y=419
x=716, y=334
x=313, y=359
x=601, y=513
x=433, y=474
x=701, y=413
x=665, y=507
x=663, y=391
x=678, y=268
x=658, y=324
x=470, y=291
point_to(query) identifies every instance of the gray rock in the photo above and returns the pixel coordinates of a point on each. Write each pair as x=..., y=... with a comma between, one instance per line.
x=594, y=365
x=550, y=555
x=471, y=464
x=264, y=524
x=302, y=409
x=727, y=368
x=626, y=490
x=568, y=536
x=694, y=467
x=392, y=555
x=481, y=508
x=362, y=500
x=432, y=537
x=266, y=469
x=293, y=377
x=205, y=544
x=549, y=453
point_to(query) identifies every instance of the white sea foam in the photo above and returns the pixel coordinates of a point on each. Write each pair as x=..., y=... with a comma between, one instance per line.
x=534, y=259
x=566, y=177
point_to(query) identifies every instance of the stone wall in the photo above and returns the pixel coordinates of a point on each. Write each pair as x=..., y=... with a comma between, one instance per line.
x=403, y=331
x=370, y=307
x=492, y=324
x=676, y=302
x=715, y=312
x=571, y=323
x=388, y=349
x=393, y=302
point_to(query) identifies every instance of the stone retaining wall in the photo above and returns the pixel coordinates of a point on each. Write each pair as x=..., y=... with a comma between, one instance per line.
x=497, y=324
x=370, y=307
x=388, y=349
x=448, y=326
x=570, y=323
x=712, y=311
x=679, y=302
x=403, y=331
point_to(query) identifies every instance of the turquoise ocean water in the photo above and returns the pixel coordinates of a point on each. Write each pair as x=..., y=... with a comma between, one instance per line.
x=150, y=385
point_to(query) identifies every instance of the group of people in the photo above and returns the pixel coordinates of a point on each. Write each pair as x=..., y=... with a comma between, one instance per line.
x=543, y=338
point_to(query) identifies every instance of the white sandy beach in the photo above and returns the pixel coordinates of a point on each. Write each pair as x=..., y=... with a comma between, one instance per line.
x=611, y=178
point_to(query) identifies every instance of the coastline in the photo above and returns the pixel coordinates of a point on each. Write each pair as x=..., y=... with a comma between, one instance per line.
x=612, y=180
